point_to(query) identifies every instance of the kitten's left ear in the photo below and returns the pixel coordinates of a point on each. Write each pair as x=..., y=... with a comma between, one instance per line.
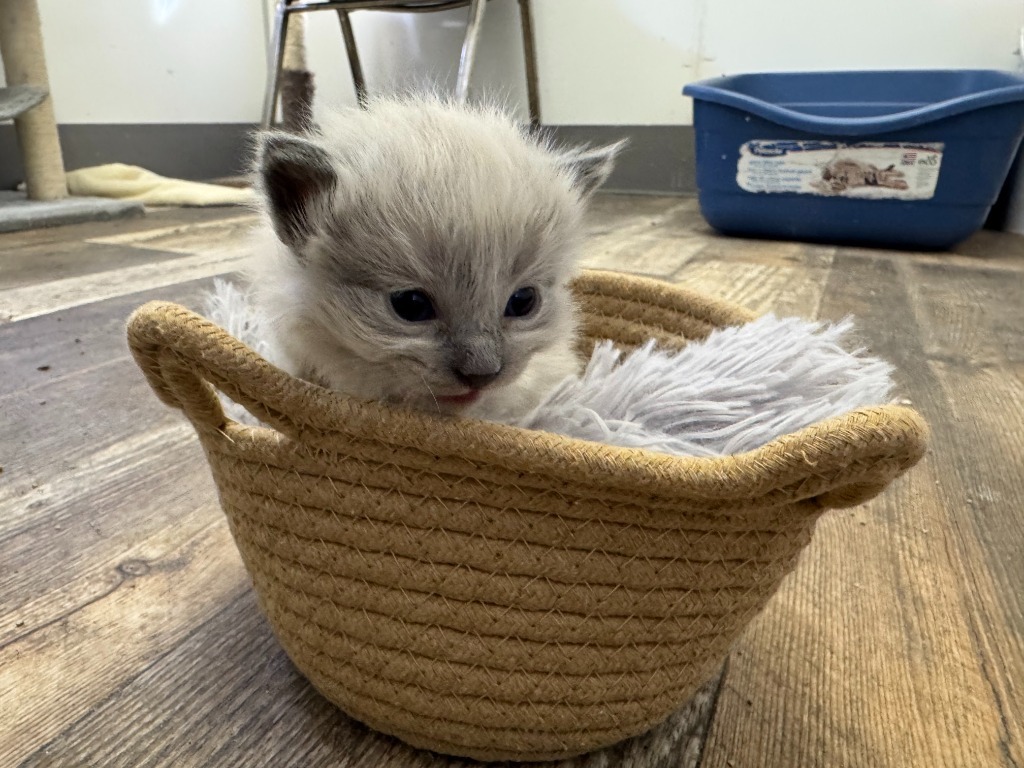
x=590, y=168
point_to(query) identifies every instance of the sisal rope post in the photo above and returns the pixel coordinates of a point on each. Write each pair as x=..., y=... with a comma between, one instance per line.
x=295, y=43
x=21, y=45
x=297, y=88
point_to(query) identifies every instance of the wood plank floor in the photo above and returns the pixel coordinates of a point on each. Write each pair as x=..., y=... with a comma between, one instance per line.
x=129, y=635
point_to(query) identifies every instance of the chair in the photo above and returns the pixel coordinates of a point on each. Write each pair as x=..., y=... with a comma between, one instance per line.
x=285, y=8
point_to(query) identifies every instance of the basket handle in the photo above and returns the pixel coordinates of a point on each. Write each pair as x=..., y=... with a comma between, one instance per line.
x=186, y=359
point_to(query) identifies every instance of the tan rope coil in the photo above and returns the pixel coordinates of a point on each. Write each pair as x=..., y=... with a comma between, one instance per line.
x=486, y=591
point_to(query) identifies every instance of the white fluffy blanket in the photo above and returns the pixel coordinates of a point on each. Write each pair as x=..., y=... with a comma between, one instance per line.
x=738, y=389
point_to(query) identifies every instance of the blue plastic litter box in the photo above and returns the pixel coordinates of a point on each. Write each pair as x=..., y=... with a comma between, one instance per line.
x=911, y=159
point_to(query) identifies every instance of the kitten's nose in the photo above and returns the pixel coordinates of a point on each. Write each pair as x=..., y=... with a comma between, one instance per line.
x=476, y=380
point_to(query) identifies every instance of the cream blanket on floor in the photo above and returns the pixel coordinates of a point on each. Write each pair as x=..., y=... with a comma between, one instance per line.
x=129, y=182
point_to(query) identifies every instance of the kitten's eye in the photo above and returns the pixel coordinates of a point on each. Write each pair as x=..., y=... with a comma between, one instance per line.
x=413, y=306
x=521, y=303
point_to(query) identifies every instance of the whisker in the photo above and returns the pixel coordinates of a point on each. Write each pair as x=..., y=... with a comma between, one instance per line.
x=436, y=404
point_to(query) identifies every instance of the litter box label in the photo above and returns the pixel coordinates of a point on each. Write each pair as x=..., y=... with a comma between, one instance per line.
x=871, y=170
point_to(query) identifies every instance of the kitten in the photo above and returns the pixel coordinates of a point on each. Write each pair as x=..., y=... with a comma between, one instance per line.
x=419, y=252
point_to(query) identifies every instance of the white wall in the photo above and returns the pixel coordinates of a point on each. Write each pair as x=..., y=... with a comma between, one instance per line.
x=602, y=62
x=624, y=61
x=154, y=61
x=195, y=61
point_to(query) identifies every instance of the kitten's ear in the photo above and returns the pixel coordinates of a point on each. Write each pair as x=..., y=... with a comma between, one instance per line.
x=589, y=168
x=296, y=176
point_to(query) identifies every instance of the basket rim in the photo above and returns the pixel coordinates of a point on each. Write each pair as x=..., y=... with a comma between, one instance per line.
x=184, y=356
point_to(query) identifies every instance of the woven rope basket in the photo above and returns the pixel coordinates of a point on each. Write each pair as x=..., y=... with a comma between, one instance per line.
x=491, y=592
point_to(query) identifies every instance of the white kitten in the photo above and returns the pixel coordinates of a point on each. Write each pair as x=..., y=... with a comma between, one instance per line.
x=419, y=252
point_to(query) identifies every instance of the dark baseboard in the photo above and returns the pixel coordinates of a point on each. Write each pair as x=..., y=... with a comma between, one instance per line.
x=657, y=160
x=194, y=151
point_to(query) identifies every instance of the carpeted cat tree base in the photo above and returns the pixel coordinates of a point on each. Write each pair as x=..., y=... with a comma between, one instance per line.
x=18, y=213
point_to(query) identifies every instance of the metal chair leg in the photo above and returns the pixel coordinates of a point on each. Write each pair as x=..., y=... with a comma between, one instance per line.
x=353, y=56
x=530, y=56
x=275, y=59
x=476, y=17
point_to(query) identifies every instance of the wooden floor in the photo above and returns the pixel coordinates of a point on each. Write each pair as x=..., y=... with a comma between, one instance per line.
x=129, y=636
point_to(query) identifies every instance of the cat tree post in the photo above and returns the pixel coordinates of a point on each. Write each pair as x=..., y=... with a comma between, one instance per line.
x=21, y=45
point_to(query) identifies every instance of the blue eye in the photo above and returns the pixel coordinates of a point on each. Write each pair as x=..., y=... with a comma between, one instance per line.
x=521, y=303
x=413, y=306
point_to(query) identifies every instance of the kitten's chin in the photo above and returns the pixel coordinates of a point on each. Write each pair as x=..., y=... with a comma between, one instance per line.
x=459, y=401
x=477, y=404
x=439, y=405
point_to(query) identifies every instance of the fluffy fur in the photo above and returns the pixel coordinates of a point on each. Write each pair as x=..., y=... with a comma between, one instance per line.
x=736, y=390
x=458, y=203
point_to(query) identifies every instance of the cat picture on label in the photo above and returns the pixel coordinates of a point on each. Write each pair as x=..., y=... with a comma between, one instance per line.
x=843, y=173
